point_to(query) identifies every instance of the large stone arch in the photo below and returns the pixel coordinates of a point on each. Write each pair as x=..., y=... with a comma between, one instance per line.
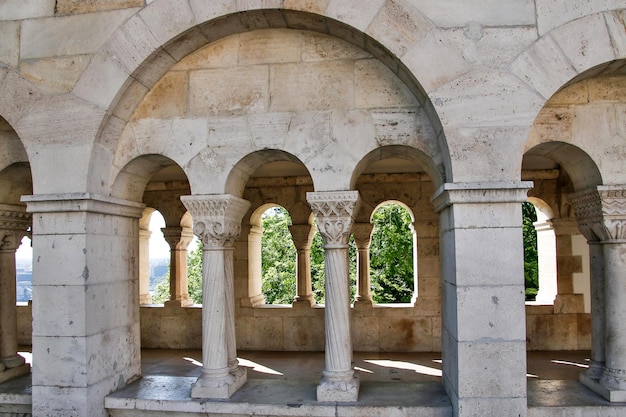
x=151, y=42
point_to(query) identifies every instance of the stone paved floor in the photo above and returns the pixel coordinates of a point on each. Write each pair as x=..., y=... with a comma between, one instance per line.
x=283, y=383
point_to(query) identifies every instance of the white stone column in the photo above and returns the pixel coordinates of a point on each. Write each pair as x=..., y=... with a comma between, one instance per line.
x=483, y=311
x=217, y=222
x=601, y=217
x=334, y=212
x=546, y=249
x=85, y=301
x=14, y=223
x=178, y=238
x=362, y=233
x=302, y=234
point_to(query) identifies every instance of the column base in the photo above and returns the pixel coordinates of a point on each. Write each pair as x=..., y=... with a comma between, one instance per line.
x=611, y=395
x=224, y=387
x=15, y=372
x=343, y=391
x=303, y=302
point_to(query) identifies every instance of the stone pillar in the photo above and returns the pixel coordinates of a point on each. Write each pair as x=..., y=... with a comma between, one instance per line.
x=85, y=301
x=362, y=233
x=14, y=224
x=179, y=239
x=217, y=222
x=302, y=234
x=334, y=212
x=483, y=314
x=144, y=266
x=546, y=249
x=255, y=280
x=601, y=215
x=567, y=264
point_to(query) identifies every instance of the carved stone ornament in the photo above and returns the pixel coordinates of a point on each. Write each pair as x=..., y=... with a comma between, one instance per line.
x=302, y=235
x=334, y=212
x=15, y=223
x=601, y=213
x=216, y=218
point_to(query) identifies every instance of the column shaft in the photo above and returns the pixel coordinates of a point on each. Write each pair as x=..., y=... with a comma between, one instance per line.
x=334, y=212
x=302, y=235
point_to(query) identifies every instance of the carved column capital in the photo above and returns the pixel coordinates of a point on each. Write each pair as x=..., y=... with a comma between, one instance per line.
x=216, y=218
x=334, y=211
x=177, y=237
x=15, y=223
x=601, y=213
x=301, y=235
x=362, y=233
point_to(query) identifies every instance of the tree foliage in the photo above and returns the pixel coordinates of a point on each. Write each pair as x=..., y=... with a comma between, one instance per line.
x=391, y=255
x=278, y=257
x=531, y=263
x=194, y=280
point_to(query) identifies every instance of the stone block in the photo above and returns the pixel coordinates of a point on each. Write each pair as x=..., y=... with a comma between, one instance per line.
x=553, y=332
x=102, y=81
x=151, y=135
x=26, y=9
x=356, y=14
x=492, y=369
x=270, y=46
x=255, y=333
x=70, y=35
x=241, y=90
x=205, y=11
x=155, y=67
x=132, y=44
x=574, y=42
x=311, y=6
x=321, y=86
x=490, y=313
x=544, y=67
x=187, y=138
x=9, y=43
x=167, y=99
x=130, y=99
x=321, y=47
x=554, y=13
x=457, y=13
x=338, y=391
x=366, y=334
x=577, y=93
x=614, y=25
x=605, y=89
x=221, y=53
x=55, y=75
x=304, y=333
x=406, y=334
x=64, y=7
x=493, y=47
x=354, y=130
x=514, y=406
x=167, y=19
x=375, y=86
x=399, y=25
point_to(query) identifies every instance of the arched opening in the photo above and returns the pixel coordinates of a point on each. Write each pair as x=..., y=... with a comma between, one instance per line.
x=159, y=259
x=393, y=260
x=15, y=271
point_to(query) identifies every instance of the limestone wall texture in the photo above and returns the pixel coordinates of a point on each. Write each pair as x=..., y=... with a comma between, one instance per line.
x=459, y=109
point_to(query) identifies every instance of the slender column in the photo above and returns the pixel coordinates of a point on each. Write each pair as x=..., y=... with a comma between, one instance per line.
x=255, y=293
x=179, y=239
x=483, y=311
x=567, y=264
x=601, y=217
x=14, y=222
x=334, y=212
x=302, y=234
x=144, y=266
x=546, y=248
x=217, y=222
x=362, y=237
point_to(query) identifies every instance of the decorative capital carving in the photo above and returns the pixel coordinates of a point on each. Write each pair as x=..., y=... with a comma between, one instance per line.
x=601, y=213
x=216, y=218
x=362, y=233
x=177, y=237
x=301, y=235
x=334, y=212
x=15, y=223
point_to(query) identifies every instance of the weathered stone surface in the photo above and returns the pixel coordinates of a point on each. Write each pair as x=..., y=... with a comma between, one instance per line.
x=26, y=9
x=269, y=46
x=554, y=13
x=376, y=86
x=167, y=99
x=72, y=35
x=54, y=75
x=222, y=53
x=9, y=43
x=90, y=6
x=491, y=13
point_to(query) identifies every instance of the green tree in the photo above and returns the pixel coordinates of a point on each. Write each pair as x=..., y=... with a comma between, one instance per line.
x=318, y=275
x=531, y=263
x=194, y=280
x=391, y=255
x=278, y=257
